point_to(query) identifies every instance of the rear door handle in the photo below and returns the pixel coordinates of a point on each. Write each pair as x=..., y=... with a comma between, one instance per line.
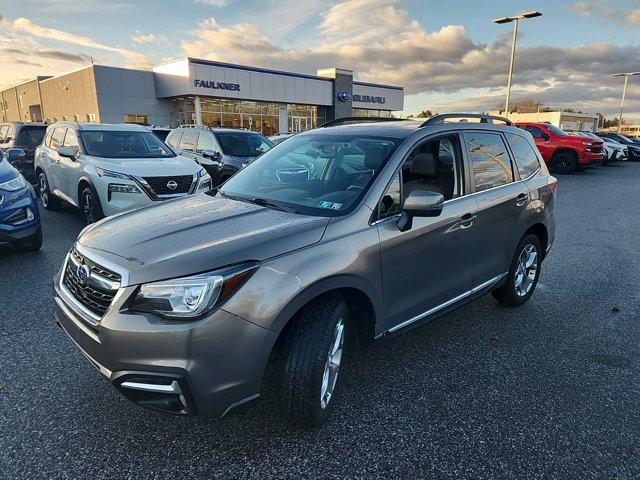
x=467, y=220
x=522, y=199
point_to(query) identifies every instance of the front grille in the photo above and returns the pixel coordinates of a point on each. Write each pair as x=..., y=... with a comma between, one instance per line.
x=597, y=149
x=95, y=298
x=159, y=185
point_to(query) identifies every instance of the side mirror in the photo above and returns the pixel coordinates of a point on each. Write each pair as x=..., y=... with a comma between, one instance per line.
x=212, y=154
x=15, y=154
x=68, y=152
x=420, y=203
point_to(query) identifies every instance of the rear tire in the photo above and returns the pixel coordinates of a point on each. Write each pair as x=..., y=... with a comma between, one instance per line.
x=49, y=201
x=564, y=162
x=90, y=206
x=313, y=351
x=523, y=275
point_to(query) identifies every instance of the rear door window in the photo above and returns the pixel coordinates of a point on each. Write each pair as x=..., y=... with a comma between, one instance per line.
x=535, y=131
x=173, y=138
x=489, y=160
x=206, y=142
x=71, y=139
x=525, y=156
x=188, y=140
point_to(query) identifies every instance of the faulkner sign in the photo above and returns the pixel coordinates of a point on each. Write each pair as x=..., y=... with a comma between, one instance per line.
x=217, y=85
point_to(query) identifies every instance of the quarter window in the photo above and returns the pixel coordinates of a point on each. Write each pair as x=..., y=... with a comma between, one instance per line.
x=525, y=156
x=71, y=139
x=3, y=132
x=489, y=160
x=188, y=140
x=57, y=140
x=173, y=138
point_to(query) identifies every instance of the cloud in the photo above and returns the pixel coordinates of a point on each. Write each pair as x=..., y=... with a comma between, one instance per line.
x=141, y=39
x=626, y=13
x=81, y=6
x=133, y=59
x=214, y=3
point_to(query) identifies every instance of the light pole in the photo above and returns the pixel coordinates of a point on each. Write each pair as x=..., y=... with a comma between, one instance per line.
x=624, y=92
x=516, y=19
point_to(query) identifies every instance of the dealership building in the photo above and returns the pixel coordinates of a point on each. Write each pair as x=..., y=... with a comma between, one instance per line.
x=201, y=92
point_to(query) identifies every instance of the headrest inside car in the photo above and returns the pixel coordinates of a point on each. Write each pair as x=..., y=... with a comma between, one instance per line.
x=374, y=158
x=424, y=165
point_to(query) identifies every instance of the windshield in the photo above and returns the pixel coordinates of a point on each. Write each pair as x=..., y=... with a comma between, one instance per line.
x=314, y=174
x=30, y=136
x=630, y=140
x=555, y=130
x=243, y=144
x=124, y=144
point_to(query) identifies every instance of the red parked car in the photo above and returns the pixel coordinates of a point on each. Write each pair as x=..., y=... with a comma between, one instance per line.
x=564, y=153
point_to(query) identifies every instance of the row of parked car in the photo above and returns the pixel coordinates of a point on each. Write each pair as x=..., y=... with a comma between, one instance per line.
x=105, y=169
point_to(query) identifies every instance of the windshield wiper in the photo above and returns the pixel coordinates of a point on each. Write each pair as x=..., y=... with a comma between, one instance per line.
x=265, y=202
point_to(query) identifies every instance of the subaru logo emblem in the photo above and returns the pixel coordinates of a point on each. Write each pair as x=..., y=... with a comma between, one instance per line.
x=83, y=274
x=344, y=96
x=172, y=185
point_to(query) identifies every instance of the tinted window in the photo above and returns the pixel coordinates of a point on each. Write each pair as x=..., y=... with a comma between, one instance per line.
x=188, y=140
x=30, y=136
x=58, y=138
x=525, y=156
x=535, y=131
x=174, y=138
x=489, y=160
x=71, y=139
x=206, y=142
x=314, y=174
x=124, y=144
x=556, y=131
x=243, y=144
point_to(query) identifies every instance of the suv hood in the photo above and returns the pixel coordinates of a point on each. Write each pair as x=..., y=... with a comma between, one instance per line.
x=196, y=234
x=147, y=167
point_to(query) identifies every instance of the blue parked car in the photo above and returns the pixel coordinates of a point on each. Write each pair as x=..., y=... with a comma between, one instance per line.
x=19, y=214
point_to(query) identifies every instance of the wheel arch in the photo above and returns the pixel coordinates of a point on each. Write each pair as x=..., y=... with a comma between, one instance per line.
x=570, y=150
x=84, y=182
x=539, y=230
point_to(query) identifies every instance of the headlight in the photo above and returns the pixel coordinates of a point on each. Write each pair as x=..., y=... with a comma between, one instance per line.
x=14, y=184
x=190, y=298
x=108, y=173
x=205, y=185
x=116, y=187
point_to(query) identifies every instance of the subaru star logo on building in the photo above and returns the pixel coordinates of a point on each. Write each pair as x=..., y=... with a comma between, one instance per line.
x=172, y=185
x=83, y=274
x=344, y=96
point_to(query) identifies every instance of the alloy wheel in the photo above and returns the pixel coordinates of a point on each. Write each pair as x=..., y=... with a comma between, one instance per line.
x=332, y=364
x=44, y=195
x=526, y=270
x=89, y=208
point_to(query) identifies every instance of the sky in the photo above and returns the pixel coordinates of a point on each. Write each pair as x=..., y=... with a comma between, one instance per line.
x=448, y=55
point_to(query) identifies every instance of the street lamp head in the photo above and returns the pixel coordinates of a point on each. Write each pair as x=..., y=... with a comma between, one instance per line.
x=530, y=14
x=628, y=74
x=504, y=20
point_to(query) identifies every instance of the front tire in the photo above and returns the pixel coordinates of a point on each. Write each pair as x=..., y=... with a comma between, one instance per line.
x=523, y=275
x=49, y=201
x=312, y=356
x=90, y=206
x=564, y=162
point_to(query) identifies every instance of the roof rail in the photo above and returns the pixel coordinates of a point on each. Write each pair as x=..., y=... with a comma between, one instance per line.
x=353, y=120
x=436, y=119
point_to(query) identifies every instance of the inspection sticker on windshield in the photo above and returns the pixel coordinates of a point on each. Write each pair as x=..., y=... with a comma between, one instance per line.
x=330, y=205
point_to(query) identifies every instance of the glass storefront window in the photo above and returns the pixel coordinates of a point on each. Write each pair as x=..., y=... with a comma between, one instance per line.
x=369, y=112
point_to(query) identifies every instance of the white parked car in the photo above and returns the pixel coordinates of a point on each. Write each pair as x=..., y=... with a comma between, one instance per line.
x=106, y=169
x=615, y=151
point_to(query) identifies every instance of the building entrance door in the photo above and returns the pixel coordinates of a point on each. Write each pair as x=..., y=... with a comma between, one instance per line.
x=298, y=124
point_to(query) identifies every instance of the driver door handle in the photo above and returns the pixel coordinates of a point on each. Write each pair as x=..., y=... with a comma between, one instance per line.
x=522, y=199
x=467, y=220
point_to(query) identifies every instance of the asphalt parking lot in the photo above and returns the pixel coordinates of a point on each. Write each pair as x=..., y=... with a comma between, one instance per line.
x=550, y=390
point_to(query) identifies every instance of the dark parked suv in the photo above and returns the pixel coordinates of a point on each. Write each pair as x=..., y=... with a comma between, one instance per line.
x=340, y=235
x=25, y=136
x=221, y=151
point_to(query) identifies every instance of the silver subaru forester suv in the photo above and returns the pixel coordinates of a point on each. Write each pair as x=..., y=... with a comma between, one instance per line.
x=341, y=235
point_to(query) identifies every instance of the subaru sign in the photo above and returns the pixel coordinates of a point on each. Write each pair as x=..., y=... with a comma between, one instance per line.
x=344, y=96
x=369, y=99
x=217, y=85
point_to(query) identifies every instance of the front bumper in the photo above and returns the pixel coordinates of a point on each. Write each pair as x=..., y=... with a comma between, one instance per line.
x=590, y=158
x=12, y=204
x=215, y=364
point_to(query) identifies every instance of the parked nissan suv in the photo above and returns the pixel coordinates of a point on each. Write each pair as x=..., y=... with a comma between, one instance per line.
x=106, y=169
x=221, y=151
x=182, y=306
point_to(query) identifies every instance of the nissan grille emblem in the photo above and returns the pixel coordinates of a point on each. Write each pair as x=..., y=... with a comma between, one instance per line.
x=172, y=185
x=83, y=274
